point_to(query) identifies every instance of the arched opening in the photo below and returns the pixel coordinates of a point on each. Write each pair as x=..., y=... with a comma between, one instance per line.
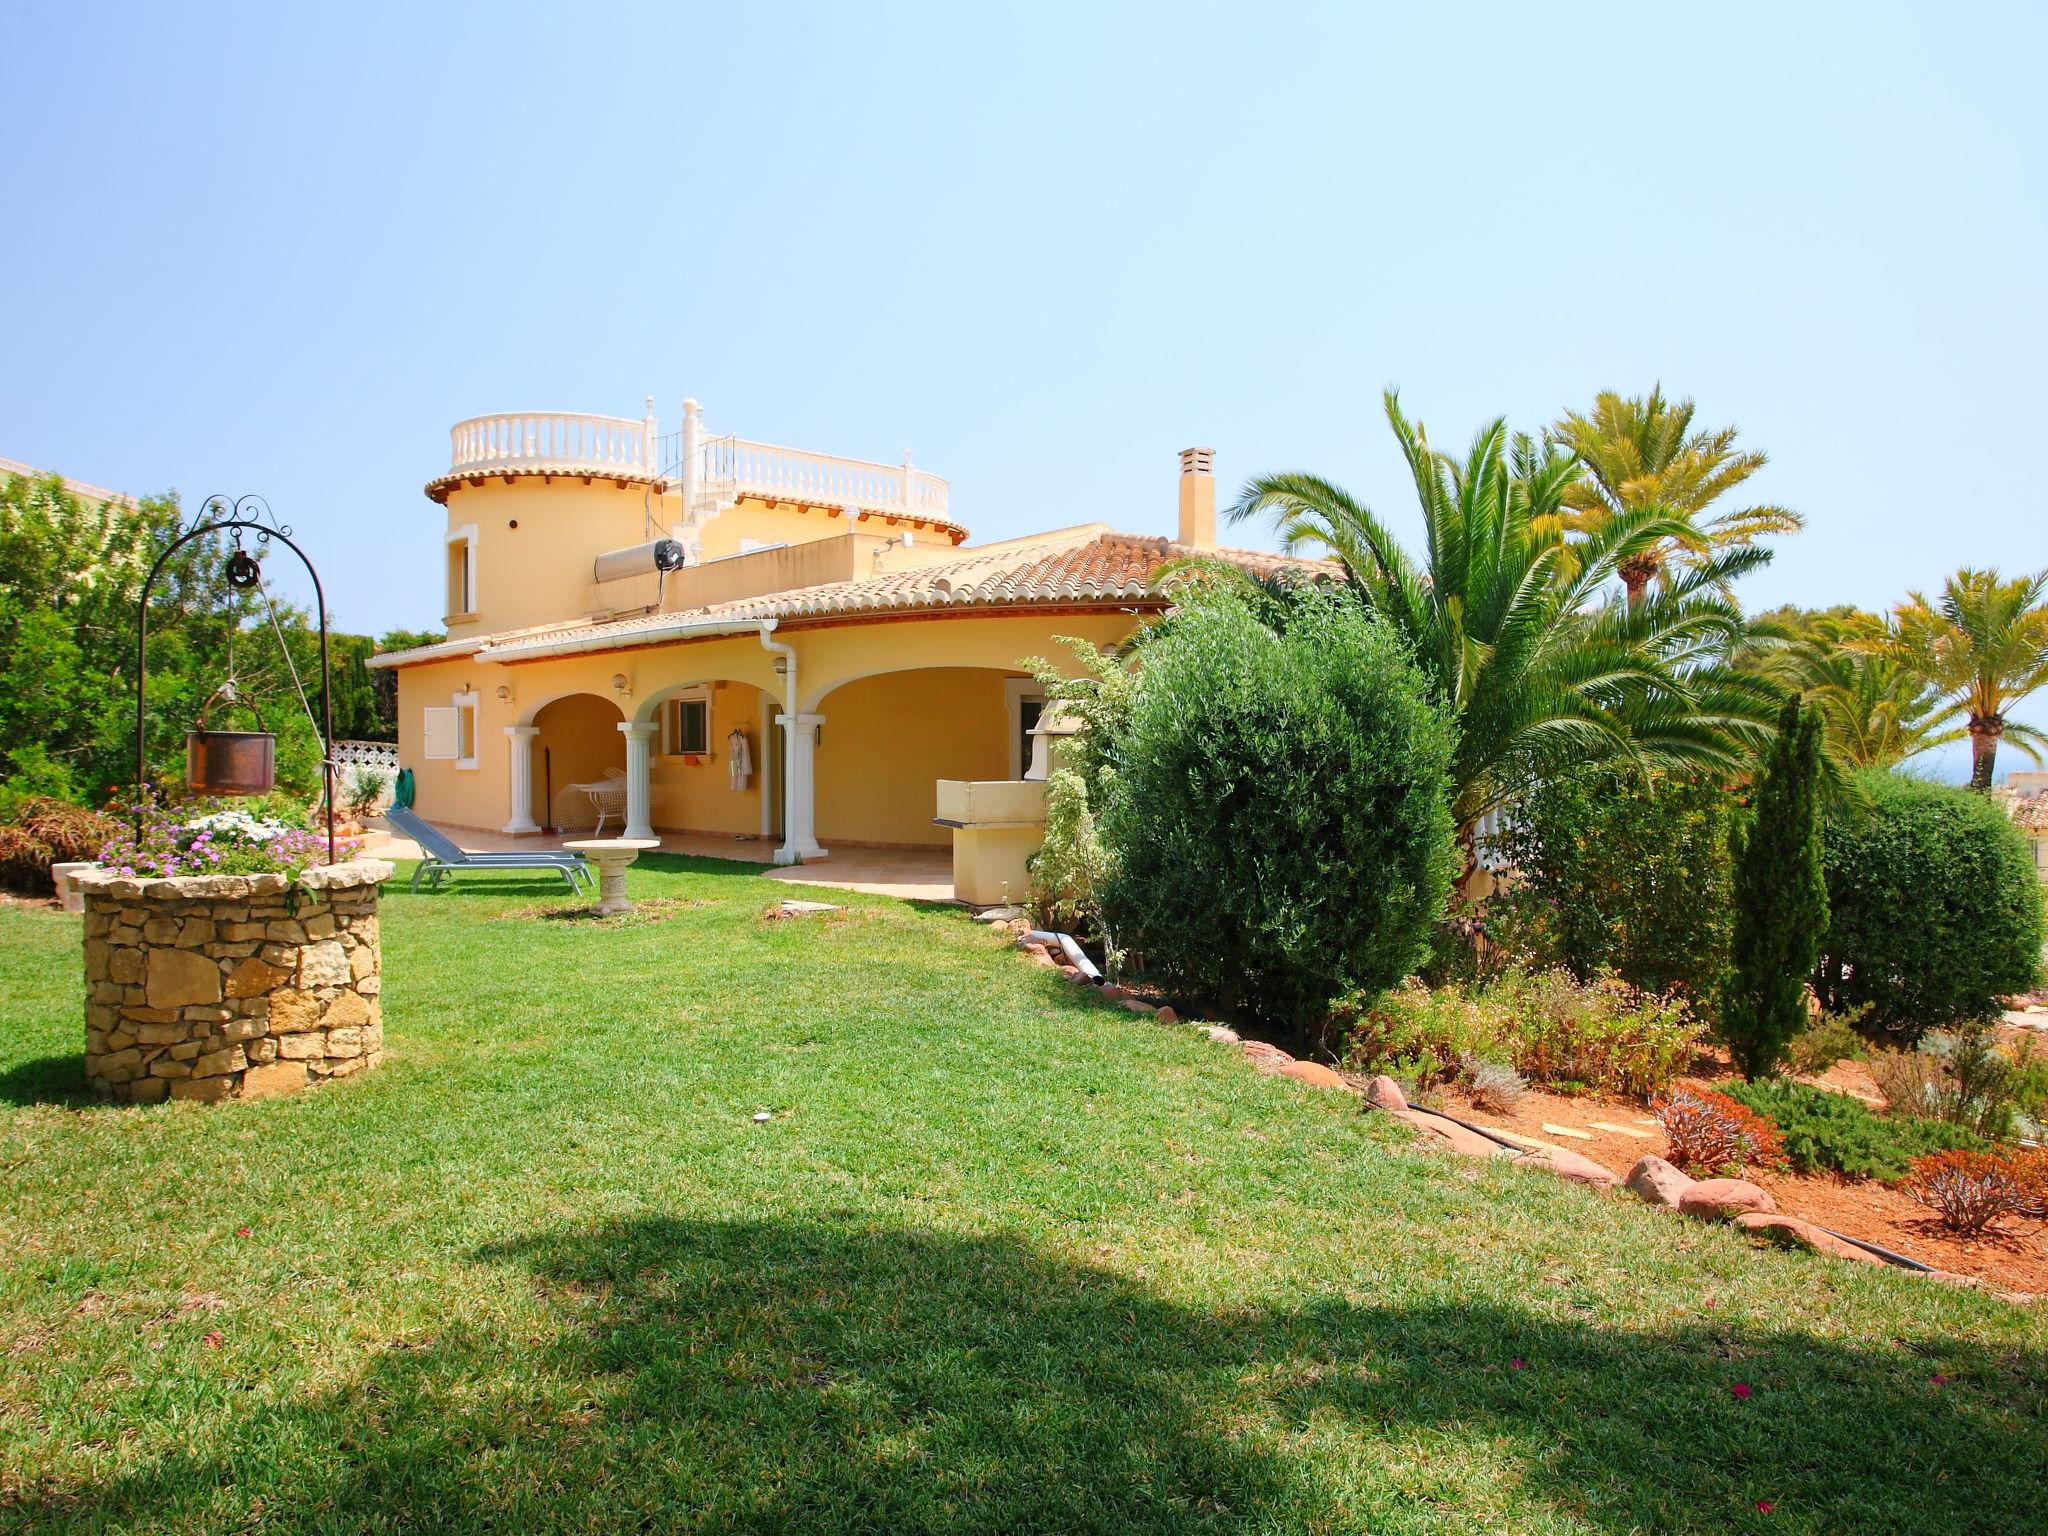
x=577, y=743
x=712, y=761
x=888, y=738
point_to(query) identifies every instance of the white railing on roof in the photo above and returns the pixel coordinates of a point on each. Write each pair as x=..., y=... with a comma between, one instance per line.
x=567, y=440
x=737, y=467
x=732, y=466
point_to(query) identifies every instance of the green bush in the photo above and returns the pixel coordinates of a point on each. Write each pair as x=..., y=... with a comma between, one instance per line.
x=1604, y=1037
x=1834, y=1133
x=1068, y=865
x=1607, y=1036
x=1422, y=1035
x=1935, y=909
x=1964, y=1076
x=1622, y=874
x=1275, y=809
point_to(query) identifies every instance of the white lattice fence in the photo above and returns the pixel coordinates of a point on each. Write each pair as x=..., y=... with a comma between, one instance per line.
x=353, y=757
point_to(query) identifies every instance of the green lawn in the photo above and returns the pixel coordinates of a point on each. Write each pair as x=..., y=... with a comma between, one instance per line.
x=1005, y=1259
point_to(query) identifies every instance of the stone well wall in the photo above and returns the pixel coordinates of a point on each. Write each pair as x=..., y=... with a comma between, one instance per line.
x=231, y=986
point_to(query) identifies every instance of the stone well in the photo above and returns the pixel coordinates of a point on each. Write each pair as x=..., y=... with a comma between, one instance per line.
x=231, y=986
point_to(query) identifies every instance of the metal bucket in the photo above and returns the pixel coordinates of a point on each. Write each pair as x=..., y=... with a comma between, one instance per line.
x=230, y=762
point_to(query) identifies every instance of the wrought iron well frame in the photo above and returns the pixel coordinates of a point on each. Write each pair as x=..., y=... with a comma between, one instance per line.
x=218, y=515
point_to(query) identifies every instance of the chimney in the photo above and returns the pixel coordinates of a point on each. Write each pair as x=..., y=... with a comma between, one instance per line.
x=1198, y=497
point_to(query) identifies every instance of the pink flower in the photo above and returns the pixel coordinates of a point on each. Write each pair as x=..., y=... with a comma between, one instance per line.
x=1516, y=1364
x=1763, y=1506
x=1741, y=1390
x=1939, y=1381
x=244, y=1232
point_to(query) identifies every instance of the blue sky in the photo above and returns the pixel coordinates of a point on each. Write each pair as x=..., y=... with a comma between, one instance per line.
x=283, y=248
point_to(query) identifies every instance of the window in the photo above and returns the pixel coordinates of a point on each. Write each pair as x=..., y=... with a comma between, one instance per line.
x=449, y=731
x=443, y=733
x=686, y=726
x=1023, y=701
x=462, y=572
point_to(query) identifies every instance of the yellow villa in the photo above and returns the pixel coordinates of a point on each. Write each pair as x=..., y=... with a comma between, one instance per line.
x=707, y=635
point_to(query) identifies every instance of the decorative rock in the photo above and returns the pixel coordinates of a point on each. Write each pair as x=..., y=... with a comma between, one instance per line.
x=1167, y=1016
x=180, y=976
x=293, y=1011
x=1314, y=1073
x=1384, y=1093
x=1720, y=1199
x=1139, y=1005
x=1790, y=1231
x=269, y=1082
x=255, y=976
x=1115, y=993
x=1222, y=1034
x=323, y=964
x=1568, y=1165
x=208, y=1090
x=1656, y=1182
x=1267, y=1058
x=347, y=1011
x=1459, y=1138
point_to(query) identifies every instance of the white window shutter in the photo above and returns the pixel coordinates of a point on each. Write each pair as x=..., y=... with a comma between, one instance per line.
x=443, y=737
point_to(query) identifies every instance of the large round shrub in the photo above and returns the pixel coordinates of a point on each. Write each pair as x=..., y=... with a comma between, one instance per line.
x=1623, y=872
x=1275, y=810
x=1935, y=910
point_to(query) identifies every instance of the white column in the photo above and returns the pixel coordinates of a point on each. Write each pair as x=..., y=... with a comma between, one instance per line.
x=639, y=790
x=520, y=739
x=799, y=815
x=691, y=470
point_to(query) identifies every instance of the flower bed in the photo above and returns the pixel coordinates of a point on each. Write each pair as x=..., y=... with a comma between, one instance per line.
x=218, y=986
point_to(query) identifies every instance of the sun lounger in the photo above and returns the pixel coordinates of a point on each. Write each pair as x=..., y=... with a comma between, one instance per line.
x=444, y=858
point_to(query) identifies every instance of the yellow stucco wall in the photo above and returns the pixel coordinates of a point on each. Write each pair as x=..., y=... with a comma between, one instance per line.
x=938, y=729
x=888, y=740
x=701, y=798
x=579, y=739
x=539, y=572
x=769, y=525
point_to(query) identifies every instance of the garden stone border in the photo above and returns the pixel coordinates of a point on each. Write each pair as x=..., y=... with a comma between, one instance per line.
x=213, y=987
x=1656, y=1182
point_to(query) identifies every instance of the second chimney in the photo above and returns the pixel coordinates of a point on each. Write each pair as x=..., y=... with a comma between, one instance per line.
x=1198, y=497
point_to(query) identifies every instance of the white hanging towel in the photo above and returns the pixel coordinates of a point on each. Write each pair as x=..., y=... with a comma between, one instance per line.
x=739, y=761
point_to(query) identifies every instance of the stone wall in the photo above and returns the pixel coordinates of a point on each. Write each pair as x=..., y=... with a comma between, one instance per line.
x=231, y=986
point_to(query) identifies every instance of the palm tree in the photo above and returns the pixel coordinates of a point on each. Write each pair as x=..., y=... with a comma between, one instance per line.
x=1876, y=710
x=1983, y=645
x=1641, y=455
x=1540, y=671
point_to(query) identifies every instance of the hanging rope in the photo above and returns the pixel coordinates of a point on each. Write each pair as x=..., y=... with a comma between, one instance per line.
x=326, y=747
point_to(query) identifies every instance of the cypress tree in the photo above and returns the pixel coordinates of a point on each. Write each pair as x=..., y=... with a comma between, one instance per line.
x=1781, y=899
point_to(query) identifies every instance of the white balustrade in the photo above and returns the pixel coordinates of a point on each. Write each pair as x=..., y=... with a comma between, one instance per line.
x=557, y=439
x=724, y=466
x=731, y=466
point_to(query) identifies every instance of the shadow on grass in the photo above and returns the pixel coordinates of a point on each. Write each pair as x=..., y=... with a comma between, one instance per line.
x=828, y=1376
x=46, y=1080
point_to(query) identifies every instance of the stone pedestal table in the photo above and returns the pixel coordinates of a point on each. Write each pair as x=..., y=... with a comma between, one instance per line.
x=611, y=855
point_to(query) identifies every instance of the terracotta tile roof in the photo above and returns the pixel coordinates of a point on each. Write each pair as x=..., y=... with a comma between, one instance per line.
x=1110, y=567
x=441, y=487
x=1090, y=566
x=437, y=489
x=2031, y=813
